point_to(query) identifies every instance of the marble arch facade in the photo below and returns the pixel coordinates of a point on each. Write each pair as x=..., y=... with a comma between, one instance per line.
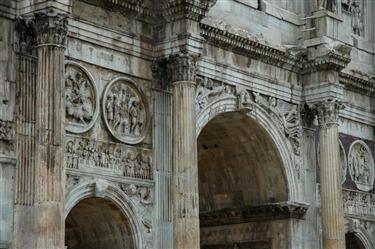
x=107, y=99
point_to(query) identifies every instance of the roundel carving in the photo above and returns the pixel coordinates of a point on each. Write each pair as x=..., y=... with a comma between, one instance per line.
x=361, y=165
x=81, y=101
x=125, y=111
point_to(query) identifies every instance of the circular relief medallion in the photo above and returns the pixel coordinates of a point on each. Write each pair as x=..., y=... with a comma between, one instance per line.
x=125, y=111
x=81, y=102
x=361, y=165
x=343, y=163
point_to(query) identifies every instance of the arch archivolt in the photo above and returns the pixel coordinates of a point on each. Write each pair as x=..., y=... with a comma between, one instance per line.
x=278, y=118
x=364, y=230
x=130, y=199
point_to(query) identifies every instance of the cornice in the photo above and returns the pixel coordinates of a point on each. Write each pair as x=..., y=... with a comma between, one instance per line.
x=190, y=9
x=239, y=41
x=358, y=81
x=271, y=211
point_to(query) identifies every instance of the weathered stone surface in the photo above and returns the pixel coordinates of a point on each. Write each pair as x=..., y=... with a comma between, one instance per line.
x=187, y=124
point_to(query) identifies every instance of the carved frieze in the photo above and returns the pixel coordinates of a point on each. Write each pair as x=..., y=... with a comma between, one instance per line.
x=361, y=165
x=81, y=99
x=125, y=111
x=359, y=204
x=114, y=159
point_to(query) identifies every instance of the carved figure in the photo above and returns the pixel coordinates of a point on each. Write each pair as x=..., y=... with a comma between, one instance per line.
x=80, y=99
x=125, y=112
x=330, y=5
x=361, y=166
x=355, y=10
x=245, y=103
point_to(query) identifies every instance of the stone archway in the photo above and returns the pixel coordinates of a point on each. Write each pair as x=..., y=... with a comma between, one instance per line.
x=117, y=215
x=243, y=189
x=352, y=241
x=97, y=223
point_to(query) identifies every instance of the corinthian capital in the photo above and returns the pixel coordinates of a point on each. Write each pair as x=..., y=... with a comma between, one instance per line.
x=51, y=28
x=182, y=67
x=328, y=111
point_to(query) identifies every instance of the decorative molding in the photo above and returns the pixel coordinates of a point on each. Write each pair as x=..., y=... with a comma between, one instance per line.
x=189, y=9
x=112, y=159
x=223, y=35
x=266, y=212
x=51, y=28
x=125, y=111
x=357, y=80
x=361, y=165
x=81, y=99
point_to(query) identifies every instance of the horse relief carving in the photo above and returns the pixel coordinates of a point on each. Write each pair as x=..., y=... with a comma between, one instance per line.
x=81, y=106
x=361, y=165
x=125, y=111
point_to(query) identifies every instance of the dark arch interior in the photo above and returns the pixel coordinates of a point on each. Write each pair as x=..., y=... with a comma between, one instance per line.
x=353, y=242
x=241, y=185
x=238, y=164
x=97, y=223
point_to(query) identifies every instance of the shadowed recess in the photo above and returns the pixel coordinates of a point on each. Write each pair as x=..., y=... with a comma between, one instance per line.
x=97, y=223
x=239, y=165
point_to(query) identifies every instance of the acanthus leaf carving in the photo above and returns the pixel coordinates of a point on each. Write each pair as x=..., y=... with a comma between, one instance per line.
x=328, y=112
x=51, y=28
x=182, y=67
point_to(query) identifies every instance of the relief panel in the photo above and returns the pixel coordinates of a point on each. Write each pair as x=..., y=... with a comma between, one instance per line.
x=125, y=111
x=81, y=101
x=361, y=165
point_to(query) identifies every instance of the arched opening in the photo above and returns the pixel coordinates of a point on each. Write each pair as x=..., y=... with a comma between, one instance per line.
x=243, y=193
x=353, y=242
x=97, y=223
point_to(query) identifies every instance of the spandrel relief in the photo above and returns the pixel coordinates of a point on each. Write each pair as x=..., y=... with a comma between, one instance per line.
x=81, y=104
x=361, y=165
x=125, y=111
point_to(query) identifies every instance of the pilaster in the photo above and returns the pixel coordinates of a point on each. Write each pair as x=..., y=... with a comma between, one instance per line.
x=40, y=131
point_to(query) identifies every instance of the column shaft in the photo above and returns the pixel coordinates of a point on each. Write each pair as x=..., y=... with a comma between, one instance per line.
x=330, y=177
x=49, y=124
x=185, y=168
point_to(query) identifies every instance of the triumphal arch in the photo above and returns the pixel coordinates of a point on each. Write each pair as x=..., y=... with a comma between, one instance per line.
x=141, y=124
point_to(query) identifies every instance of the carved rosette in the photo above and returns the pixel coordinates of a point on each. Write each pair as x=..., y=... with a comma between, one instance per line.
x=81, y=101
x=125, y=111
x=328, y=112
x=182, y=67
x=51, y=28
x=361, y=165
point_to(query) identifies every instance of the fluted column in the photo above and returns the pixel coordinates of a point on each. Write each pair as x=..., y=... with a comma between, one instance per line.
x=330, y=177
x=51, y=30
x=185, y=169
